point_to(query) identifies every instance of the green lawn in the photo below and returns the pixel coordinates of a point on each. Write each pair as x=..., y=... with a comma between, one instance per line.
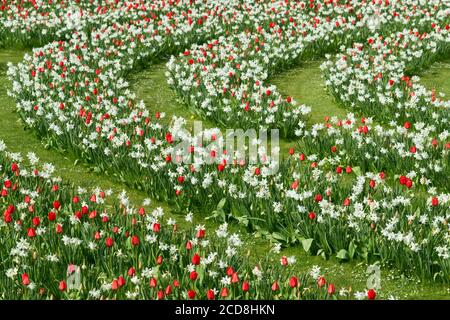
x=437, y=77
x=304, y=83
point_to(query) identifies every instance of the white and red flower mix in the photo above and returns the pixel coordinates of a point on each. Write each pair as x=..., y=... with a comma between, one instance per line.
x=123, y=257
x=393, y=192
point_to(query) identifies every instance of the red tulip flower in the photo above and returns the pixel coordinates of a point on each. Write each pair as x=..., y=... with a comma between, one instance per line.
x=196, y=259
x=36, y=221
x=193, y=275
x=346, y=202
x=201, y=233
x=293, y=282
x=109, y=242
x=245, y=286
x=371, y=294
x=168, y=290
x=14, y=167
x=156, y=227
x=224, y=292
x=56, y=205
x=25, y=279
x=51, y=216
x=153, y=283
x=31, y=232
x=331, y=289
x=321, y=282
x=434, y=202
x=191, y=294
x=275, y=286
x=121, y=281
x=210, y=294
x=135, y=241
x=235, y=278
x=62, y=286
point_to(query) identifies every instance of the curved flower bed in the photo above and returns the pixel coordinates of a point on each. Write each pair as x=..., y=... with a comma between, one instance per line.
x=73, y=92
x=377, y=78
x=50, y=232
x=224, y=79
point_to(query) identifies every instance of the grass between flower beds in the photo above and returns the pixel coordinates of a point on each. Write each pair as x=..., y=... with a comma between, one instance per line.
x=303, y=83
x=437, y=77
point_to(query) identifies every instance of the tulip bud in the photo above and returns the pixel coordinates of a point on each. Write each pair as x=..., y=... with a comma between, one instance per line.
x=160, y=295
x=131, y=272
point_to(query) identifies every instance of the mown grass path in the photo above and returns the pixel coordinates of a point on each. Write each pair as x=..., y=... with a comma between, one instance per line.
x=303, y=83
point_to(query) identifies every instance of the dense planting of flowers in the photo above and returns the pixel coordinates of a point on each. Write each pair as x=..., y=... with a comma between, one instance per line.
x=367, y=187
x=224, y=78
x=378, y=78
x=51, y=233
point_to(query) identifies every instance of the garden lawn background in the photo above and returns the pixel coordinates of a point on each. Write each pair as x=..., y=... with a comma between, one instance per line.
x=304, y=83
